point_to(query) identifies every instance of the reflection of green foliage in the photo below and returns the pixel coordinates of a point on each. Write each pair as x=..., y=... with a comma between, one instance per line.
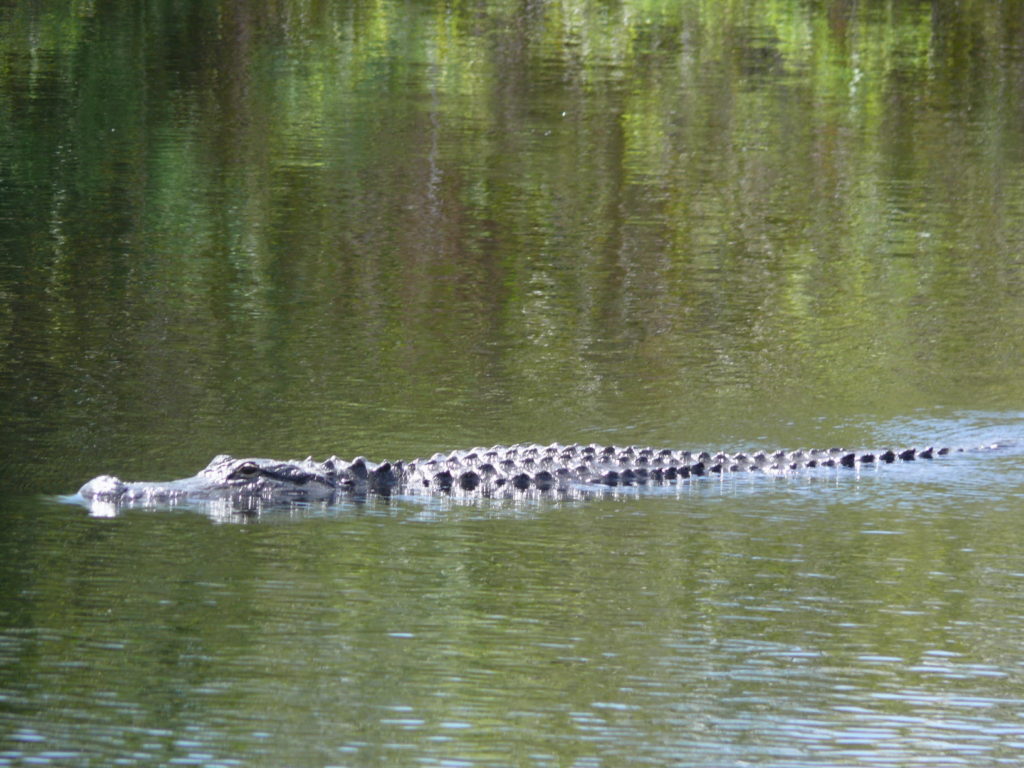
x=748, y=198
x=388, y=228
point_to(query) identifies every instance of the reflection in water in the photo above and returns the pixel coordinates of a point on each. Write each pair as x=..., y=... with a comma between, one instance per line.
x=388, y=229
x=379, y=228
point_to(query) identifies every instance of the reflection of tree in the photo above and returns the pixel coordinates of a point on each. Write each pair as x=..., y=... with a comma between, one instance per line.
x=727, y=193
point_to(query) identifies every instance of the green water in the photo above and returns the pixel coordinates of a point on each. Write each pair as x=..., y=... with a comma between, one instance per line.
x=389, y=229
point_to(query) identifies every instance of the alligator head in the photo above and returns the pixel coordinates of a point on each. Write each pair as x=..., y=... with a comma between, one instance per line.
x=225, y=478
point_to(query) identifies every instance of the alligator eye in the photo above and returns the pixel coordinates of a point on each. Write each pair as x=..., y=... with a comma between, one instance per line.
x=246, y=470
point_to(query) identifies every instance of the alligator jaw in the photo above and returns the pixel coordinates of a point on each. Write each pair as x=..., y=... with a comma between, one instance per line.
x=108, y=488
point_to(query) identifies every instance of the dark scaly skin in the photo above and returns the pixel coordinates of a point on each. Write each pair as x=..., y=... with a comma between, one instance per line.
x=498, y=471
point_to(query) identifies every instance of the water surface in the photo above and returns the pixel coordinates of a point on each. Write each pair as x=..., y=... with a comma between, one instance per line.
x=391, y=229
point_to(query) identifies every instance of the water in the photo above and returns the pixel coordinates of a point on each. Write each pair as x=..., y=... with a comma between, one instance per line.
x=862, y=619
x=391, y=229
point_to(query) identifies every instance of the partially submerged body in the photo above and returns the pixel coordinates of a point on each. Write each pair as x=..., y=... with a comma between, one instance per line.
x=497, y=471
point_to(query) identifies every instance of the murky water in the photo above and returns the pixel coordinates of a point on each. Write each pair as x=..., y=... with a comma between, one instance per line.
x=392, y=229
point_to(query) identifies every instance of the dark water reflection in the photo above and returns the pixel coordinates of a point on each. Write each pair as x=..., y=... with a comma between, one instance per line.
x=377, y=229
x=390, y=229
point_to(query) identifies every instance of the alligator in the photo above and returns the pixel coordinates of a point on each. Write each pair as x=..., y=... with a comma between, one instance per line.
x=500, y=471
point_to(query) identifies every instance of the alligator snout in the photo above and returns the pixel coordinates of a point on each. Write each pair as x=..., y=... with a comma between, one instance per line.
x=103, y=488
